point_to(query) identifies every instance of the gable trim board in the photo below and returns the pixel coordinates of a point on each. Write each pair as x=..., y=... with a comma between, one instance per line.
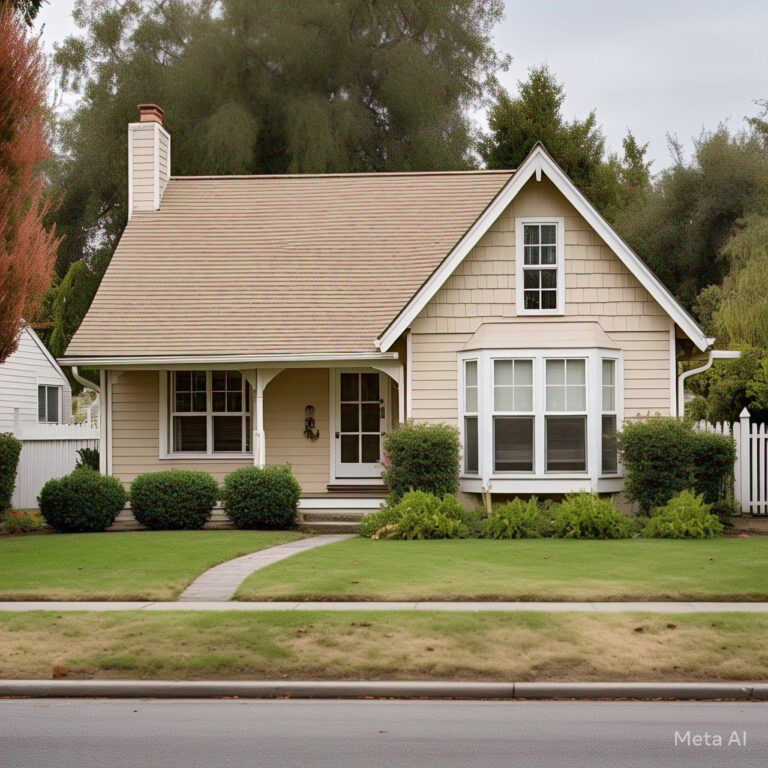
x=539, y=161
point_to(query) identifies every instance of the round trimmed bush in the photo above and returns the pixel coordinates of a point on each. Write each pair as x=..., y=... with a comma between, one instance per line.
x=686, y=516
x=261, y=497
x=82, y=502
x=174, y=500
x=586, y=516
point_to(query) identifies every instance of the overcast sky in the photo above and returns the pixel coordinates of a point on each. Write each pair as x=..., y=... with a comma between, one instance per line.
x=655, y=66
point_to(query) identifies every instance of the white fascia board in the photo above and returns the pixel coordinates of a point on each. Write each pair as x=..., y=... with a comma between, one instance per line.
x=536, y=162
x=139, y=361
x=48, y=356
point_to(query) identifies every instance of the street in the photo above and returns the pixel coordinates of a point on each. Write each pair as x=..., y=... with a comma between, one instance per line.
x=407, y=734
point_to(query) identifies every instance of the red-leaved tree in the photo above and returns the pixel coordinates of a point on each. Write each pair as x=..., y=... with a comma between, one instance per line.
x=27, y=250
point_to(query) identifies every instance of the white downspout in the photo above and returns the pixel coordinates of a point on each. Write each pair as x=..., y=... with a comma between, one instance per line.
x=87, y=383
x=719, y=354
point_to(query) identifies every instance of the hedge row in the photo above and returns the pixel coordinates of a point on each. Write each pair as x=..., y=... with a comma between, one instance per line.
x=253, y=497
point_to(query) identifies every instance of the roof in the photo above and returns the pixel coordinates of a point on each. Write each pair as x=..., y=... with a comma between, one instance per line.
x=551, y=334
x=267, y=265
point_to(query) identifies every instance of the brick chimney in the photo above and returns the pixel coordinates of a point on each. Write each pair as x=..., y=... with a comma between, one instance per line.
x=149, y=160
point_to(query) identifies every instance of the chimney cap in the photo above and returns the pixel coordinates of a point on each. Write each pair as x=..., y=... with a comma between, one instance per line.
x=150, y=113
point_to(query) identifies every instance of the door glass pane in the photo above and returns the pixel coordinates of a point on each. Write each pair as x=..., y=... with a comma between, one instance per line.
x=53, y=404
x=470, y=444
x=41, y=403
x=513, y=443
x=369, y=383
x=189, y=433
x=370, y=446
x=350, y=421
x=227, y=433
x=350, y=450
x=566, y=443
x=349, y=388
x=370, y=417
x=609, y=446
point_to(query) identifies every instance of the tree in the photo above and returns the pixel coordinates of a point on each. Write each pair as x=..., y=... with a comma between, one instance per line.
x=27, y=8
x=536, y=114
x=681, y=225
x=27, y=248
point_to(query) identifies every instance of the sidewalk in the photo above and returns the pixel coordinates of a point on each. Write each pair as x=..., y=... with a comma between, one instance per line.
x=586, y=607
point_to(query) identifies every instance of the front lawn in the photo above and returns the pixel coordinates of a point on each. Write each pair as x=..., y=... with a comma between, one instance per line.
x=383, y=645
x=530, y=569
x=140, y=565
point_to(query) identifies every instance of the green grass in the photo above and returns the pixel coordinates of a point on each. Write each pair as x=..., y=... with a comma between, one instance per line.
x=543, y=569
x=383, y=645
x=139, y=565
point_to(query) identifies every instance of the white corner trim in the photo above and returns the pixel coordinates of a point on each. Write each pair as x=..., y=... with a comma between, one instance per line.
x=156, y=167
x=559, y=222
x=537, y=161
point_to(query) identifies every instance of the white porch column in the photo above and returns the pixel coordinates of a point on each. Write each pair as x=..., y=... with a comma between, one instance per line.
x=259, y=441
x=401, y=415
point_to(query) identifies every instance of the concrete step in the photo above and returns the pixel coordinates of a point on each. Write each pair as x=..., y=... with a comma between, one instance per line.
x=329, y=526
x=333, y=515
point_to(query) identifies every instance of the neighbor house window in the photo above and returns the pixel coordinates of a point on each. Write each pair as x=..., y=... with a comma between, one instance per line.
x=48, y=398
x=540, y=273
x=513, y=416
x=566, y=416
x=609, y=449
x=210, y=412
x=470, y=417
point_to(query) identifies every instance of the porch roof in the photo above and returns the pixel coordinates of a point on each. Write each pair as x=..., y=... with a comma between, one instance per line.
x=555, y=334
x=277, y=265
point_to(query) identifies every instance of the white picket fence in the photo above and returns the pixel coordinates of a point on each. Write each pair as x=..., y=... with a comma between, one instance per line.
x=750, y=472
x=47, y=451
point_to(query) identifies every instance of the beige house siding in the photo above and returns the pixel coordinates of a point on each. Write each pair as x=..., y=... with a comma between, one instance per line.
x=136, y=428
x=598, y=287
x=142, y=166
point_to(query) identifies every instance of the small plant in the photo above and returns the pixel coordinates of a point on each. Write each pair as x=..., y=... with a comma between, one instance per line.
x=266, y=498
x=421, y=457
x=88, y=457
x=686, y=516
x=517, y=519
x=82, y=502
x=10, y=450
x=587, y=516
x=15, y=524
x=173, y=500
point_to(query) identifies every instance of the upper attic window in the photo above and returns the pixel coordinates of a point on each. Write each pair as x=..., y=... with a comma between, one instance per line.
x=539, y=254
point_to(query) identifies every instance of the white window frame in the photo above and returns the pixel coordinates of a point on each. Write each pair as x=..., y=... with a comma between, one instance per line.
x=567, y=359
x=471, y=414
x=167, y=412
x=609, y=412
x=59, y=400
x=593, y=358
x=520, y=266
x=513, y=413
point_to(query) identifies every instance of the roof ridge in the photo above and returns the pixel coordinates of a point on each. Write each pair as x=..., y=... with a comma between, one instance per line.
x=362, y=174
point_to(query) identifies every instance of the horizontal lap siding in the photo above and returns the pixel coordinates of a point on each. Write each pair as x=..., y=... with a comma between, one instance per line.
x=598, y=287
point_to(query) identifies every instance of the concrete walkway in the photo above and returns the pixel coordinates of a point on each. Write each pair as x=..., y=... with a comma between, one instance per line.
x=211, y=605
x=221, y=581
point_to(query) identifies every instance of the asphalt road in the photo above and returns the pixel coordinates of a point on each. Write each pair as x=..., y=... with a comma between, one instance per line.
x=367, y=734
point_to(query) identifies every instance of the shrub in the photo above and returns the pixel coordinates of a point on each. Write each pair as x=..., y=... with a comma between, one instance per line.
x=10, y=450
x=25, y=522
x=686, y=516
x=658, y=458
x=517, y=519
x=713, y=457
x=419, y=515
x=88, y=457
x=257, y=497
x=174, y=500
x=83, y=501
x=587, y=516
x=422, y=457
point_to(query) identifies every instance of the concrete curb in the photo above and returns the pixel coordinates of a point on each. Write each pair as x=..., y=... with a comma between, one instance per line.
x=157, y=689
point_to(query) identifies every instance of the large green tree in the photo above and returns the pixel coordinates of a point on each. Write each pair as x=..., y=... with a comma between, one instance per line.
x=534, y=114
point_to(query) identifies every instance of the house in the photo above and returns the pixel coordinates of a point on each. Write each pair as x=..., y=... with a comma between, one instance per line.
x=33, y=388
x=235, y=308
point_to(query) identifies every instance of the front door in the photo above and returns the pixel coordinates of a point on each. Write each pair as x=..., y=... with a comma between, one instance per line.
x=361, y=417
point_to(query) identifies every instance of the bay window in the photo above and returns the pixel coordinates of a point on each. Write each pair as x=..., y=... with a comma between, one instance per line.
x=513, y=416
x=566, y=415
x=209, y=412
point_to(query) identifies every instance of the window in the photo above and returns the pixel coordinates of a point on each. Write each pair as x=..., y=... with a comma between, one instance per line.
x=540, y=271
x=608, y=441
x=471, y=461
x=513, y=419
x=48, y=403
x=210, y=412
x=566, y=416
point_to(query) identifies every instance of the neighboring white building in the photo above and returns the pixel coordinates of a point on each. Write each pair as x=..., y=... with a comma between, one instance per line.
x=32, y=382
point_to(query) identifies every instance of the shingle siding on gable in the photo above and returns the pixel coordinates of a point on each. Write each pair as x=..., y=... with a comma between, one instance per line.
x=597, y=287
